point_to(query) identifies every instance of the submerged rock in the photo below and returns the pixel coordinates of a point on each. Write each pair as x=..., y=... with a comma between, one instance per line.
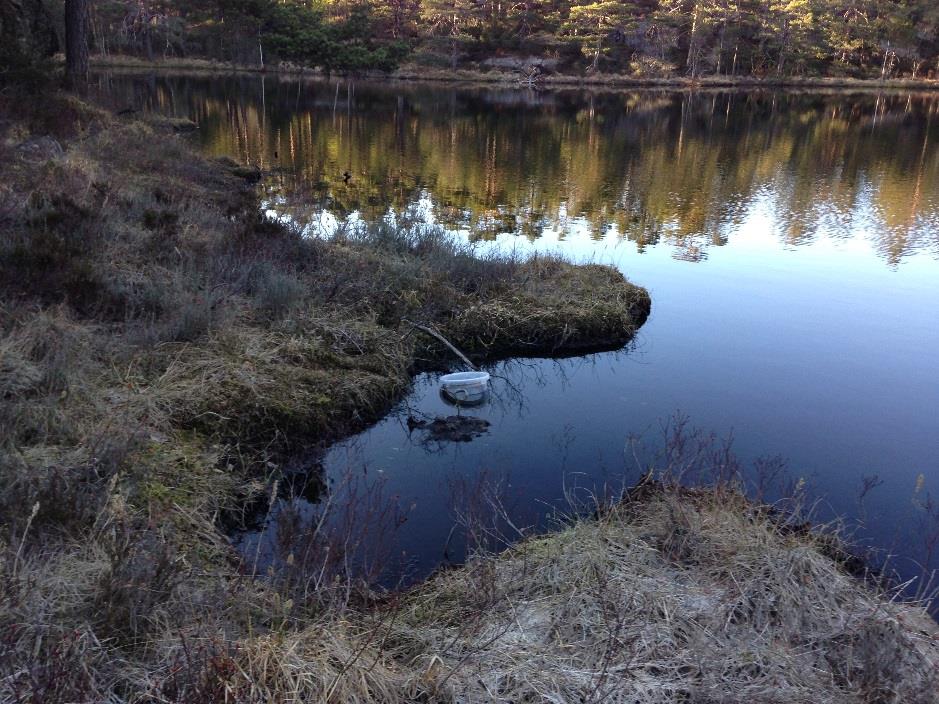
x=451, y=428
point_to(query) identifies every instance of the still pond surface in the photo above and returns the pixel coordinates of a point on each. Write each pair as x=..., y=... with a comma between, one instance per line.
x=790, y=242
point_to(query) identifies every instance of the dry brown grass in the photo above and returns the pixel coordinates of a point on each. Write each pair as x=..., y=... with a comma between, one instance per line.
x=247, y=386
x=551, y=314
x=676, y=597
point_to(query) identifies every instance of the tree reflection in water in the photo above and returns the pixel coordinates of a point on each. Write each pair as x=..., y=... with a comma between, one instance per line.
x=679, y=169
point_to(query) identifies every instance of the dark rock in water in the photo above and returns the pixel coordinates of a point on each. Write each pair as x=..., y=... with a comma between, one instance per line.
x=450, y=429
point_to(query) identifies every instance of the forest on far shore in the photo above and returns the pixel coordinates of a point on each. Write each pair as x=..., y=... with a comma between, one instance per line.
x=644, y=38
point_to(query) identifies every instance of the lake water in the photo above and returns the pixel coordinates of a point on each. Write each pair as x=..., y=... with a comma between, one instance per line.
x=790, y=242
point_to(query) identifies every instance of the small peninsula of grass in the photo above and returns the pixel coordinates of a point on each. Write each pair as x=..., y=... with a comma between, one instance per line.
x=146, y=257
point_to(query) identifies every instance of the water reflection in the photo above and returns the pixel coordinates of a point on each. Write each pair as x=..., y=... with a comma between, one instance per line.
x=652, y=168
x=790, y=243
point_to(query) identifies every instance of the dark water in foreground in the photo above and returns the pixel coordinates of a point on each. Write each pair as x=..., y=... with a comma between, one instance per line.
x=790, y=243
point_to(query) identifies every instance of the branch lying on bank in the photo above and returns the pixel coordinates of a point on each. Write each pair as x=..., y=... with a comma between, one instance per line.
x=441, y=338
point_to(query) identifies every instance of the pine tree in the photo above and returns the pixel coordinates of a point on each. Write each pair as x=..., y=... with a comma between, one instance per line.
x=76, y=43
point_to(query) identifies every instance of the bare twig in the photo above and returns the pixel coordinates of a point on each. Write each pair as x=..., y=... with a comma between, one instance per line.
x=437, y=335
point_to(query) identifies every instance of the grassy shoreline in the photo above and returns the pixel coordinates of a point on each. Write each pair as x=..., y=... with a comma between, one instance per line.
x=418, y=74
x=162, y=347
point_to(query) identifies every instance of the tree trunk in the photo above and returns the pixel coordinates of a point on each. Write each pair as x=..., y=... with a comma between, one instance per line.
x=783, y=49
x=76, y=43
x=692, y=60
x=720, y=49
x=454, y=31
x=596, y=54
x=148, y=41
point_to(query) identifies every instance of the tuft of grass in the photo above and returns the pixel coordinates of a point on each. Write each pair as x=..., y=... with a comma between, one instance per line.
x=251, y=386
x=550, y=315
x=140, y=577
x=276, y=292
x=669, y=598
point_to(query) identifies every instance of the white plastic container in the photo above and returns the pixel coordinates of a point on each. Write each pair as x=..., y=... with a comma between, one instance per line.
x=465, y=387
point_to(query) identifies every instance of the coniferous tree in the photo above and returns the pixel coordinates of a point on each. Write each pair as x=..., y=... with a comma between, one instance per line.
x=763, y=38
x=76, y=43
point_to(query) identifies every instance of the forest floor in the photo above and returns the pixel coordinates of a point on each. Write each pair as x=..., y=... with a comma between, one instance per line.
x=412, y=72
x=163, y=348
